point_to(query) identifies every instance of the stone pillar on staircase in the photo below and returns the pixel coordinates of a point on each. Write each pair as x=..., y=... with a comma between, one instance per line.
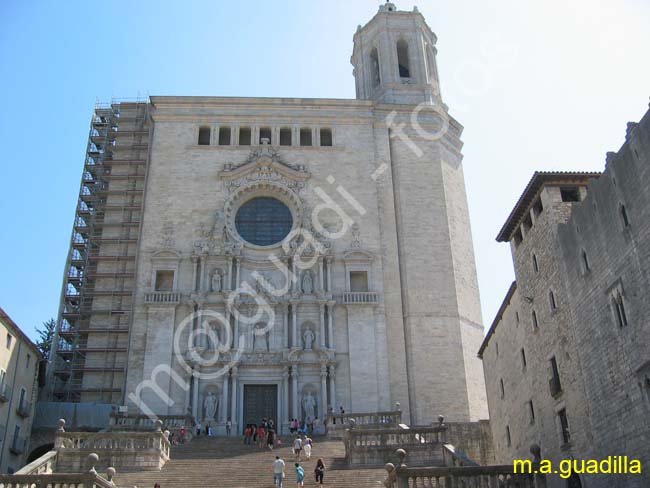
x=224, y=399
x=285, y=402
x=195, y=396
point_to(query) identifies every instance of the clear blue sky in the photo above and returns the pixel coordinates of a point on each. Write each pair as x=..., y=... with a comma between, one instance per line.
x=537, y=85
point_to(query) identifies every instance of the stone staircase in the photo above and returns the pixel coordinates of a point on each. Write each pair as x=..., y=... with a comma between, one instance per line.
x=227, y=463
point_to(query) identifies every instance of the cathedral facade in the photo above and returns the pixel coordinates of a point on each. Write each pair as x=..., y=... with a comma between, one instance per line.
x=291, y=256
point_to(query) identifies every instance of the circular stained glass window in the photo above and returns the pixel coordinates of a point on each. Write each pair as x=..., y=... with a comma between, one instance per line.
x=263, y=221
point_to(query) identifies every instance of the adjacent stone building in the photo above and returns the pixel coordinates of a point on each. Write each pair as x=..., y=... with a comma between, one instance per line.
x=567, y=358
x=19, y=365
x=244, y=257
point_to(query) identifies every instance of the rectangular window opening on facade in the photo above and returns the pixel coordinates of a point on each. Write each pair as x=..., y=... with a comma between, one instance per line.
x=285, y=136
x=531, y=411
x=533, y=315
x=244, y=136
x=204, y=136
x=305, y=137
x=618, y=305
x=164, y=280
x=564, y=426
x=403, y=59
x=265, y=135
x=508, y=439
x=326, y=137
x=503, y=390
x=9, y=338
x=570, y=194
x=554, y=383
x=523, y=358
x=224, y=136
x=358, y=281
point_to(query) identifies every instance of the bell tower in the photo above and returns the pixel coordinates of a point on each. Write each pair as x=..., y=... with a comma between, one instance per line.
x=394, y=58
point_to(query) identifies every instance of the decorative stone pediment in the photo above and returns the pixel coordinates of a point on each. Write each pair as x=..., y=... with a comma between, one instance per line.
x=263, y=165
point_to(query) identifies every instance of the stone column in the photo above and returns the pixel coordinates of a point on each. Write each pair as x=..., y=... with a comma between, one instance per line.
x=294, y=325
x=294, y=386
x=229, y=284
x=195, y=396
x=235, y=338
x=233, y=399
x=321, y=277
x=195, y=270
x=329, y=274
x=295, y=279
x=330, y=325
x=237, y=269
x=203, y=285
x=333, y=386
x=285, y=399
x=224, y=399
x=188, y=394
x=227, y=324
x=285, y=325
x=322, y=325
x=322, y=407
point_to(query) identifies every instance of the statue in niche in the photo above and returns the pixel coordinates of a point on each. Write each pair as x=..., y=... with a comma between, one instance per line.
x=216, y=281
x=307, y=283
x=309, y=405
x=210, y=405
x=260, y=338
x=308, y=336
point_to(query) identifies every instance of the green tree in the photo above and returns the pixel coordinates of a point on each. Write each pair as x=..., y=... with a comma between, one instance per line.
x=45, y=335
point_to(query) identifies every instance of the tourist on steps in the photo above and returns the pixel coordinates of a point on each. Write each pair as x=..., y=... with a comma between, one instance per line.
x=319, y=471
x=261, y=436
x=270, y=438
x=297, y=447
x=306, y=446
x=228, y=426
x=278, y=471
x=300, y=476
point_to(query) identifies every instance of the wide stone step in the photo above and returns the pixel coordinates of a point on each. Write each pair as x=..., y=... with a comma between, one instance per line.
x=228, y=463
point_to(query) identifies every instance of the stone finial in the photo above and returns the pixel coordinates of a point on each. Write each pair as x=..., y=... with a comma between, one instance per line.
x=61, y=424
x=398, y=406
x=158, y=425
x=441, y=420
x=536, y=452
x=401, y=455
x=92, y=461
x=110, y=473
x=389, y=467
x=352, y=423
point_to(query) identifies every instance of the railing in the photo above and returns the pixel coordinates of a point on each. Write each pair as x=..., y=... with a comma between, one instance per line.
x=492, y=476
x=43, y=465
x=144, y=422
x=113, y=441
x=391, y=418
x=359, y=297
x=24, y=409
x=378, y=446
x=5, y=392
x=171, y=297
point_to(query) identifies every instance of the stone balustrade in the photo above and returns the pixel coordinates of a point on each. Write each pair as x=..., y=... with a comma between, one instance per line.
x=125, y=450
x=492, y=476
x=374, y=447
x=359, y=298
x=43, y=465
x=338, y=423
x=145, y=423
x=162, y=297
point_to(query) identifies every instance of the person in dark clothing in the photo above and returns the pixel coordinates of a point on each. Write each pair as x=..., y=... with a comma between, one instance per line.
x=319, y=471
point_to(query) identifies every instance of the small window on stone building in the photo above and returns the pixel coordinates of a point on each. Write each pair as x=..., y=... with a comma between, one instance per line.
x=564, y=426
x=9, y=339
x=570, y=194
x=164, y=280
x=531, y=411
x=224, y=136
x=523, y=358
x=305, y=136
x=503, y=391
x=537, y=207
x=326, y=137
x=244, y=136
x=585, y=262
x=517, y=316
x=204, y=136
x=508, y=439
x=28, y=360
x=285, y=136
x=403, y=59
x=618, y=307
x=358, y=281
x=265, y=133
x=624, y=217
x=555, y=384
x=535, y=266
x=534, y=319
x=551, y=300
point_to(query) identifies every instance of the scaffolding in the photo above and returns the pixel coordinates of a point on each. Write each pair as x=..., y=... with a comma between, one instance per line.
x=89, y=355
